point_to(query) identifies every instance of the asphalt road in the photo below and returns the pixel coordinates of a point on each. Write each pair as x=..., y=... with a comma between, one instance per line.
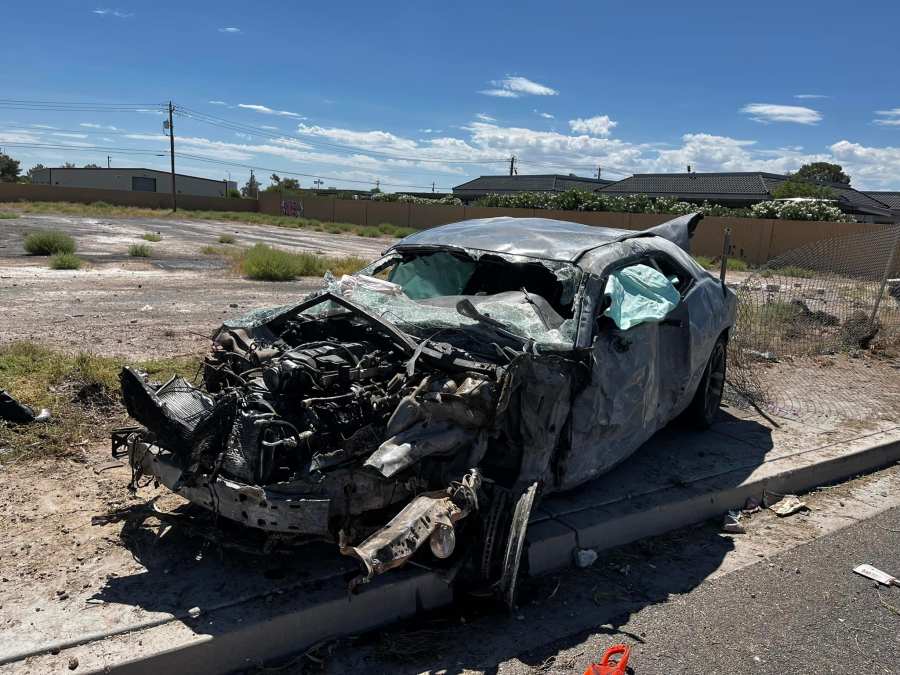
x=799, y=611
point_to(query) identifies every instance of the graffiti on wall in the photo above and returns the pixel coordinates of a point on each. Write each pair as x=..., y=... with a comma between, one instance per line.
x=292, y=207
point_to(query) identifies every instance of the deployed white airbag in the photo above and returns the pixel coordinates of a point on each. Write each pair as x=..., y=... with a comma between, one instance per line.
x=639, y=294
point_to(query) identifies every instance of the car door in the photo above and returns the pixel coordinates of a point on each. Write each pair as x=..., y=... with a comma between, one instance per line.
x=638, y=375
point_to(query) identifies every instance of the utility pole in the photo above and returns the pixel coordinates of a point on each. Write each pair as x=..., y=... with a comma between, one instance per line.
x=172, y=154
x=318, y=182
x=598, y=172
x=108, y=163
x=432, y=186
x=512, y=165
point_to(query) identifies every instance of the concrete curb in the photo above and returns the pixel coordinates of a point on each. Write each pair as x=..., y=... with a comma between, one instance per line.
x=241, y=635
x=553, y=541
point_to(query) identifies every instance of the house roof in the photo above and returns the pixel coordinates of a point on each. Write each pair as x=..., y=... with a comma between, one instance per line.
x=743, y=185
x=529, y=183
x=723, y=185
x=892, y=199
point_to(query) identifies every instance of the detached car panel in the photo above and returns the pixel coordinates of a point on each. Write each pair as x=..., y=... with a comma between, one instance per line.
x=434, y=396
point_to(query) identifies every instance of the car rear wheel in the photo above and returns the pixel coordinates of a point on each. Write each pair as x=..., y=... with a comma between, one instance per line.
x=703, y=408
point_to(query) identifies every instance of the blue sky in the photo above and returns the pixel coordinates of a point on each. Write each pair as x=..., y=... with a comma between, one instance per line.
x=411, y=94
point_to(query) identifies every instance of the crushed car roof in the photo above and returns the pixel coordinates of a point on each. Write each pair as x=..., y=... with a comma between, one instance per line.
x=532, y=237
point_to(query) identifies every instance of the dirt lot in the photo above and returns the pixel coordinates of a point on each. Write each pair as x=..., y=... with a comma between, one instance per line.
x=162, y=306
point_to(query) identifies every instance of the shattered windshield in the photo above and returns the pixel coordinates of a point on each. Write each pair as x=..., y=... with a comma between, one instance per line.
x=422, y=292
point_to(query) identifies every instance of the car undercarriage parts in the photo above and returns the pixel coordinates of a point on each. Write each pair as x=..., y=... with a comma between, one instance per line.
x=429, y=517
x=515, y=545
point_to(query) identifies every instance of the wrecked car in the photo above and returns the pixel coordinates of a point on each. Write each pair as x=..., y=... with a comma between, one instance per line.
x=422, y=406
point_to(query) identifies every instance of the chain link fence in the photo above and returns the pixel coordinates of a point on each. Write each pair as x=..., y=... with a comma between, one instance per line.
x=818, y=329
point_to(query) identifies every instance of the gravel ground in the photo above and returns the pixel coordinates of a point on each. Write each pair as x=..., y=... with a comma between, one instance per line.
x=137, y=308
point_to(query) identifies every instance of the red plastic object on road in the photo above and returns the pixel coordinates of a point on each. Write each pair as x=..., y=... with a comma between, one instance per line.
x=616, y=668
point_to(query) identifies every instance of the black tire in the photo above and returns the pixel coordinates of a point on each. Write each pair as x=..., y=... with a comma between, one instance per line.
x=702, y=411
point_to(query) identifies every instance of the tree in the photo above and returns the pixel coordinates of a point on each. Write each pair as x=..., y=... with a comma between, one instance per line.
x=92, y=166
x=251, y=189
x=823, y=172
x=802, y=188
x=9, y=169
x=233, y=194
x=280, y=184
x=68, y=165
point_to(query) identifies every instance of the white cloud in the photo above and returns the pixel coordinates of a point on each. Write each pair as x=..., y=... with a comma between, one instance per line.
x=269, y=127
x=545, y=115
x=217, y=102
x=489, y=145
x=91, y=125
x=888, y=118
x=241, y=134
x=499, y=93
x=230, y=29
x=804, y=96
x=150, y=111
x=773, y=112
x=64, y=134
x=514, y=86
x=599, y=125
x=266, y=110
x=118, y=13
x=41, y=126
x=430, y=131
x=868, y=166
x=485, y=117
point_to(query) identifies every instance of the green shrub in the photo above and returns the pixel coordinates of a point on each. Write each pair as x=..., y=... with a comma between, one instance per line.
x=139, y=251
x=49, y=242
x=7, y=215
x=264, y=263
x=226, y=239
x=152, y=236
x=793, y=271
x=65, y=261
x=710, y=263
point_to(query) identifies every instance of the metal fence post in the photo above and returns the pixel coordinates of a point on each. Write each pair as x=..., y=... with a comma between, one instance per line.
x=887, y=273
x=726, y=249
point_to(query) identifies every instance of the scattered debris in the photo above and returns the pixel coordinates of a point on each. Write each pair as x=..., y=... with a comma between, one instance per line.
x=111, y=464
x=609, y=667
x=876, y=575
x=732, y=523
x=194, y=612
x=73, y=663
x=585, y=557
x=18, y=413
x=788, y=505
x=751, y=506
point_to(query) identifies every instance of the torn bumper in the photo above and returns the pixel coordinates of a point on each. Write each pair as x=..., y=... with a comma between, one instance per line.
x=251, y=505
